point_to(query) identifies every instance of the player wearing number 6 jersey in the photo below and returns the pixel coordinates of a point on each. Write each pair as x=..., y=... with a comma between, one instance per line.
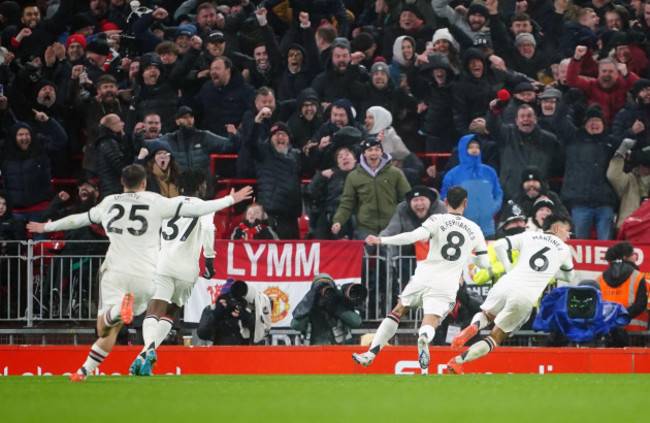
x=177, y=268
x=452, y=238
x=132, y=222
x=509, y=303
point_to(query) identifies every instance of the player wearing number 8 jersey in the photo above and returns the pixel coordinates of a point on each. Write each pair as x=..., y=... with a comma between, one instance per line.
x=452, y=238
x=509, y=304
x=132, y=222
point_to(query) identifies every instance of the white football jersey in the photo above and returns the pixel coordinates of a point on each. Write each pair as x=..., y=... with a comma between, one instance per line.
x=541, y=255
x=132, y=223
x=452, y=238
x=181, y=241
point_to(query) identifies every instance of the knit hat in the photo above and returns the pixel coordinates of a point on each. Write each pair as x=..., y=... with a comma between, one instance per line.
x=76, y=38
x=156, y=146
x=188, y=30
x=150, y=59
x=444, y=34
x=542, y=202
x=594, y=111
x=523, y=87
x=639, y=85
x=347, y=136
x=479, y=8
x=280, y=126
x=341, y=42
x=106, y=25
x=421, y=191
x=379, y=67
x=551, y=93
x=525, y=37
x=87, y=181
x=411, y=7
x=371, y=142
x=182, y=111
x=531, y=173
x=99, y=46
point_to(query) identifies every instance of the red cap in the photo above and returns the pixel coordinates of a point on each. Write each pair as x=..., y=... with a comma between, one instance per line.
x=76, y=38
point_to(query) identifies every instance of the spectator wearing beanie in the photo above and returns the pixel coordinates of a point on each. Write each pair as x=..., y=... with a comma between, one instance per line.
x=472, y=23
x=534, y=186
x=542, y=208
x=585, y=188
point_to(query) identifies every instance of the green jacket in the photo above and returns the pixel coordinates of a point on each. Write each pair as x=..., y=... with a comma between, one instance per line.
x=373, y=199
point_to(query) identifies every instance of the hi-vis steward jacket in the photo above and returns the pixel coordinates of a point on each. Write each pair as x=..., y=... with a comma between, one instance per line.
x=623, y=283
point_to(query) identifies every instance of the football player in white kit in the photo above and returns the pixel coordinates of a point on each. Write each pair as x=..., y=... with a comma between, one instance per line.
x=132, y=223
x=510, y=302
x=434, y=285
x=177, y=268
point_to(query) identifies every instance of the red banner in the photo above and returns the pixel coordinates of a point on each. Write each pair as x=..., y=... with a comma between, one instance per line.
x=283, y=270
x=177, y=360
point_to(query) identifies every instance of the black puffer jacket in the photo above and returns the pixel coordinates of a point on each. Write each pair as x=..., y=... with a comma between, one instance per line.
x=279, y=188
x=114, y=155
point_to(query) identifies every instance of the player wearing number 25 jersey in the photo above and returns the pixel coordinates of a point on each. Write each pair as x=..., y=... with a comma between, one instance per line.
x=452, y=238
x=132, y=223
x=509, y=303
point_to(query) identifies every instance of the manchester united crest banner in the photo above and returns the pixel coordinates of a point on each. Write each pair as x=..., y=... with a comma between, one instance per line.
x=283, y=270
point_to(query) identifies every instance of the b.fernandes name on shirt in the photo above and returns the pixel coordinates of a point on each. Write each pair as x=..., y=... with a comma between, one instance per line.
x=458, y=224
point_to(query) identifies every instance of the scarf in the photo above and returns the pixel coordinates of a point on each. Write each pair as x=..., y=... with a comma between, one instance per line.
x=250, y=232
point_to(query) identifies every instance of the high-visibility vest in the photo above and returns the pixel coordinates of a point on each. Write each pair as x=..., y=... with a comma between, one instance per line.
x=625, y=295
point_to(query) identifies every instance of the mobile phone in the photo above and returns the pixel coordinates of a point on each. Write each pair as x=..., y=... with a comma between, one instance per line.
x=2, y=90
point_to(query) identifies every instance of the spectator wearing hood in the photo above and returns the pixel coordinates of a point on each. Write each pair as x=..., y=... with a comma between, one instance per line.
x=155, y=92
x=410, y=23
x=476, y=85
x=634, y=186
x=435, y=89
x=25, y=165
x=11, y=228
x=402, y=64
x=633, y=120
x=372, y=192
x=623, y=283
x=480, y=181
x=322, y=148
x=585, y=188
x=533, y=186
x=378, y=121
x=306, y=119
x=162, y=169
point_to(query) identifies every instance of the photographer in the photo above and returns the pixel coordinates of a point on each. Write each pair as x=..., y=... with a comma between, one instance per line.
x=230, y=320
x=326, y=314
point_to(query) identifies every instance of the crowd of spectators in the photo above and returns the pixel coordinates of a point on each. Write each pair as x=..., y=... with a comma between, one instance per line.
x=530, y=96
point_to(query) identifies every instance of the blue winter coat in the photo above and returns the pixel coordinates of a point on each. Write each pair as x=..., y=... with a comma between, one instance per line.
x=482, y=184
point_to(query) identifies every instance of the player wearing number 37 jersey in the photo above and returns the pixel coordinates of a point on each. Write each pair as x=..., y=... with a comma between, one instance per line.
x=434, y=285
x=132, y=222
x=509, y=304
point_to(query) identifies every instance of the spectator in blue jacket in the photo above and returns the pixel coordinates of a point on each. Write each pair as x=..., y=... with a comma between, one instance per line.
x=480, y=181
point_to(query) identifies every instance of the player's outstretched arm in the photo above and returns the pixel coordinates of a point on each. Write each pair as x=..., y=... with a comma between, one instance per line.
x=201, y=208
x=406, y=238
x=73, y=221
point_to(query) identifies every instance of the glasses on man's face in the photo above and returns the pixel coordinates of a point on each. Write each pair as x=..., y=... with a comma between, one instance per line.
x=163, y=154
x=294, y=54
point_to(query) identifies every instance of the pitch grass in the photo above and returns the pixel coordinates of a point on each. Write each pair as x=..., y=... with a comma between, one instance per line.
x=327, y=398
